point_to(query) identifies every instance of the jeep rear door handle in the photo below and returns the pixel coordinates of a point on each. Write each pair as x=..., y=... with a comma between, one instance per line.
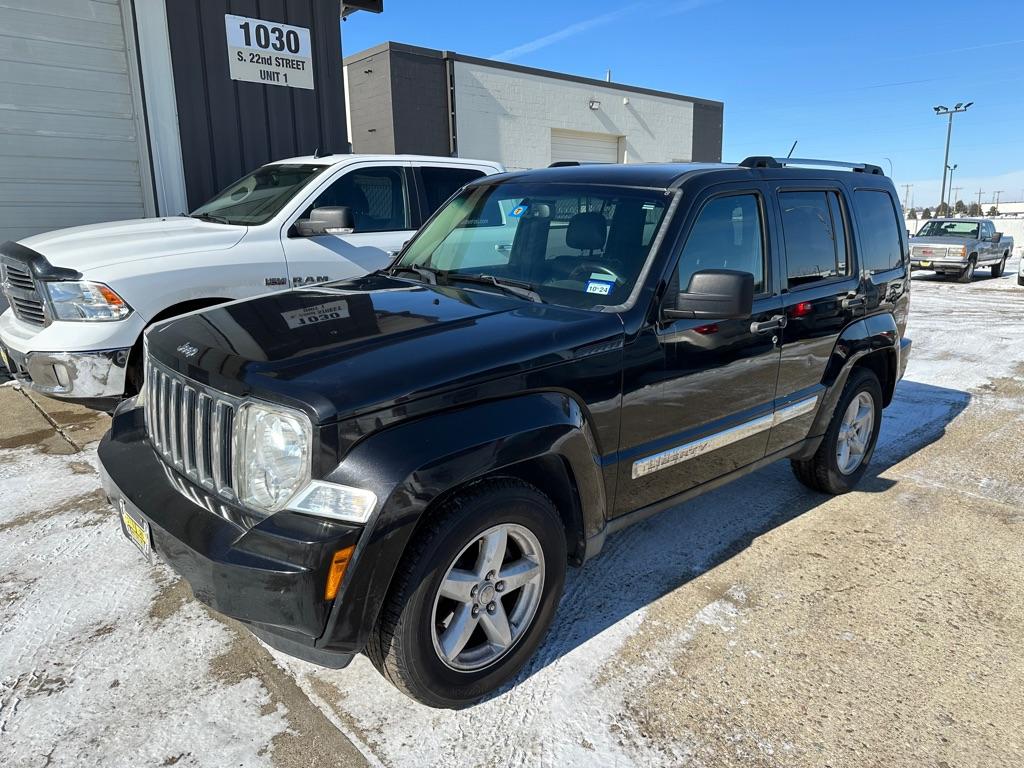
x=776, y=323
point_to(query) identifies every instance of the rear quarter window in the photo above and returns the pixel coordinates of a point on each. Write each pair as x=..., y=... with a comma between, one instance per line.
x=881, y=244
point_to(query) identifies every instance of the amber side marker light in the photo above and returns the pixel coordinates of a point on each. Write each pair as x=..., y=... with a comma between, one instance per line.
x=337, y=571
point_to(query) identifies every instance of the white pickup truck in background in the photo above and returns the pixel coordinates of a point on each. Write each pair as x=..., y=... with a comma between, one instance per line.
x=80, y=298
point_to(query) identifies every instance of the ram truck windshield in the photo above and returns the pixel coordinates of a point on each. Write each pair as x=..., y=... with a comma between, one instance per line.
x=258, y=197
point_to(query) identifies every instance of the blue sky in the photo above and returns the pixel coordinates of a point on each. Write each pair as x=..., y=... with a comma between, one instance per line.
x=854, y=81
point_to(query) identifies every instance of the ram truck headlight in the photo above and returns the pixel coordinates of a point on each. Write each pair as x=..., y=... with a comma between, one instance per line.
x=272, y=459
x=86, y=301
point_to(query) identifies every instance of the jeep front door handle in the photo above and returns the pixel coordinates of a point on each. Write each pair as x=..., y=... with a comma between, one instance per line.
x=776, y=323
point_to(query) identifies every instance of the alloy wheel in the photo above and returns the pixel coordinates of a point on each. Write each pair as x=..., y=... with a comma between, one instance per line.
x=855, y=433
x=488, y=597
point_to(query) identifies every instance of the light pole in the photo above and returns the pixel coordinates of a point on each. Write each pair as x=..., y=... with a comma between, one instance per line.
x=944, y=110
x=950, y=168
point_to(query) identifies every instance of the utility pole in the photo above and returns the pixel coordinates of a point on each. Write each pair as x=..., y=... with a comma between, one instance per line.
x=979, y=197
x=956, y=192
x=906, y=196
x=944, y=110
x=996, y=194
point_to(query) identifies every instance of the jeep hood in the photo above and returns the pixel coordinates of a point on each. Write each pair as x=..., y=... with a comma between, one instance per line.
x=98, y=245
x=373, y=342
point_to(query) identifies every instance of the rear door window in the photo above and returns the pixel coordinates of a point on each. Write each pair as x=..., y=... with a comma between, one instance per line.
x=881, y=245
x=441, y=183
x=815, y=235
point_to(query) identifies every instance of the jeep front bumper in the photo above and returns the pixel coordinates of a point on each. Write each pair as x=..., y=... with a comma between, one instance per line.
x=268, y=573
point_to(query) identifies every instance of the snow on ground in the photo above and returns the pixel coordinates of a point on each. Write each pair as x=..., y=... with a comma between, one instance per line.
x=98, y=667
x=567, y=708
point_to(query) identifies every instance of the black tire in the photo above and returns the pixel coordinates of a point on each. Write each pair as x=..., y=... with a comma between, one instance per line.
x=968, y=274
x=821, y=471
x=1020, y=279
x=402, y=645
x=997, y=269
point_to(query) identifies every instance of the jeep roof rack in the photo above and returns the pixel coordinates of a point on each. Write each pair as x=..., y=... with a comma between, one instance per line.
x=574, y=163
x=763, y=161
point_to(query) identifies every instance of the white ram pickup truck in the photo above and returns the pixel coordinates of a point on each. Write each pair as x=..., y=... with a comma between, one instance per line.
x=80, y=298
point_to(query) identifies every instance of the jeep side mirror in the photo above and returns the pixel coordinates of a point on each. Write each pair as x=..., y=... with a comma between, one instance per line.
x=331, y=220
x=714, y=294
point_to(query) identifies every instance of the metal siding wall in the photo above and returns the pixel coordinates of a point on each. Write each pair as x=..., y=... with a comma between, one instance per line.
x=707, y=133
x=230, y=127
x=419, y=94
x=70, y=149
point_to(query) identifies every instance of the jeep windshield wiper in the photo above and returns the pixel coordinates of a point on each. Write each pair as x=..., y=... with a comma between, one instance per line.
x=211, y=217
x=426, y=274
x=518, y=288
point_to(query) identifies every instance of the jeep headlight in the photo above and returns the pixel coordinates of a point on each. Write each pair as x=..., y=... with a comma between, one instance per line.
x=82, y=300
x=272, y=460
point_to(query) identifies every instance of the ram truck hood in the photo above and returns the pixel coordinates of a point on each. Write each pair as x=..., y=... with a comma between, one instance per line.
x=373, y=342
x=97, y=245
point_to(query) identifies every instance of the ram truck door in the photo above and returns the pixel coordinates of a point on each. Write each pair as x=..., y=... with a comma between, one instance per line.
x=698, y=395
x=383, y=204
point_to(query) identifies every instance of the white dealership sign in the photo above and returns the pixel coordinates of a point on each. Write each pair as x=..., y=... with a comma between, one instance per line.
x=269, y=53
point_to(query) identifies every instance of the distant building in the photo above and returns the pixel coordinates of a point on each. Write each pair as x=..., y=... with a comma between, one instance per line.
x=404, y=99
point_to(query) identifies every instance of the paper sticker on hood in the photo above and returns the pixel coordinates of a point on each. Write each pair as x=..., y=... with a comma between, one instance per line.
x=317, y=313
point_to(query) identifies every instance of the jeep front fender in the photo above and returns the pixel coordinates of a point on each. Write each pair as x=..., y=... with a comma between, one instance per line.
x=411, y=465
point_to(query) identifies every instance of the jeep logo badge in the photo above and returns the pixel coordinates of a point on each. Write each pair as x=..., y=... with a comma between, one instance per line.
x=188, y=350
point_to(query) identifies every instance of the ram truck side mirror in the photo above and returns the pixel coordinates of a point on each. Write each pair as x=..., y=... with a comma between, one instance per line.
x=331, y=220
x=714, y=294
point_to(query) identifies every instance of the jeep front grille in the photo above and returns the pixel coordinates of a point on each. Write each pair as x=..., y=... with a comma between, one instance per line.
x=192, y=427
x=22, y=294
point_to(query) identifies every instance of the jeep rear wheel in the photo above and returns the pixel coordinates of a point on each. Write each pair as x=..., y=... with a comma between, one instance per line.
x=474, y=595
x=844, y=453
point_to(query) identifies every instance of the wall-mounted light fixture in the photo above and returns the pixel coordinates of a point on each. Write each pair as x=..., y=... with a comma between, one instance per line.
x=594, y=104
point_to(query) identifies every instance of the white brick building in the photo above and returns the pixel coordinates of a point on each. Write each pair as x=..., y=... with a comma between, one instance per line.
x=404, y=99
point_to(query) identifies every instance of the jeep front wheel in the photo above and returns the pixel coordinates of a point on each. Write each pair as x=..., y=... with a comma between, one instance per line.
x=844, y=453
x=474, y=595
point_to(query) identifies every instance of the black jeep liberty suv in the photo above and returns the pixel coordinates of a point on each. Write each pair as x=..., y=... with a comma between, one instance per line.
x=405, y=463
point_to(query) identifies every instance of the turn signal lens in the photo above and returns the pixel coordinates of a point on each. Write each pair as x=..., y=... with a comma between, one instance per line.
x=339, y=563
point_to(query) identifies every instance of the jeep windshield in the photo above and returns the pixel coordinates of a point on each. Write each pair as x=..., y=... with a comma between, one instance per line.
x=576, y=245
x=949, y=229
x=258, y=197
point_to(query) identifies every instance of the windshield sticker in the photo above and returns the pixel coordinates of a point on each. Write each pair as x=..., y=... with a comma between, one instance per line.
x=518, y=211
x=318, y=313
x=600, y=287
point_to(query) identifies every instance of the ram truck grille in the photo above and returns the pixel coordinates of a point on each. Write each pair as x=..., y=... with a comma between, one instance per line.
x=192, y=427
x=22, y=294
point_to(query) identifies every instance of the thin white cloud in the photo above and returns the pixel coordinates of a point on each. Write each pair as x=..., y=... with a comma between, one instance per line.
x=670, y=9
x=571, y=31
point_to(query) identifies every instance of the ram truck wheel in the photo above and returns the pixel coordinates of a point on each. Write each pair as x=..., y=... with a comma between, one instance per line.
x=844, y=453
x=473, y=596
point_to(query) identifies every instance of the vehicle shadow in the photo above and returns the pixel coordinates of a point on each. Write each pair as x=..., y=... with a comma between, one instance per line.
x=655, y=557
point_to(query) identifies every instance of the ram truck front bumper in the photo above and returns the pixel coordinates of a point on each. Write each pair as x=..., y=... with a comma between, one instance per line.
x=80, y=362
x=269, y=573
